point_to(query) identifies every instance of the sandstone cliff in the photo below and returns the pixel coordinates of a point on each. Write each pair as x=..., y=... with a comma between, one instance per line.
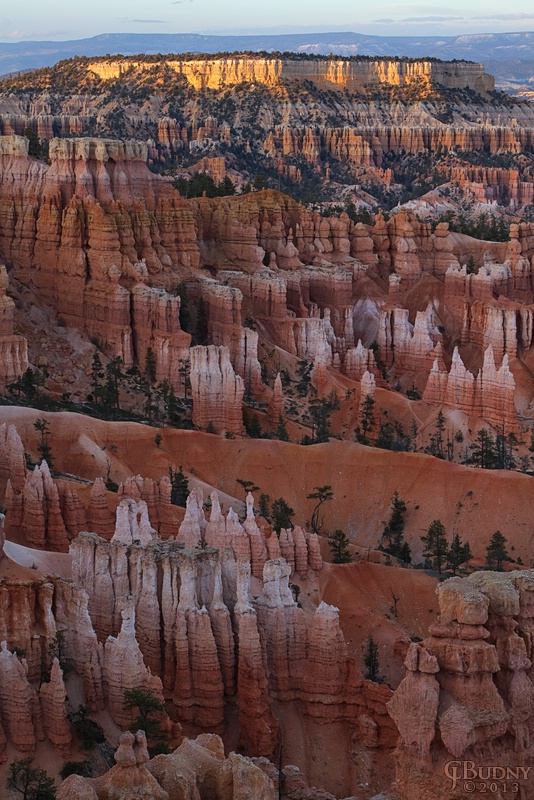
x=13, y=348
x=218, y=73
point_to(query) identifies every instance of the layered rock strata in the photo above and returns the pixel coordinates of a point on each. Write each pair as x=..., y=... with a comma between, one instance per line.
x=216, y=390
x=198, y=628
x=466, y=695
x=489, y=396
x=13, y=348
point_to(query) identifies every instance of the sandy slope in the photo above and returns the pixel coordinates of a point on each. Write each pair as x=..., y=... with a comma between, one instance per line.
x=473, y=502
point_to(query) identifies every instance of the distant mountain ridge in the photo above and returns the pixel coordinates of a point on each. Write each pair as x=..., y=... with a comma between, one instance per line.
x=475, y=47
x=508, y=56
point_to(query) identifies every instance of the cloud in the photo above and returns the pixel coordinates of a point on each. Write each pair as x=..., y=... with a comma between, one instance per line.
x=13, y=35
x=505, y=17
x=129, y=21
x=431, y=19
x=434, y=18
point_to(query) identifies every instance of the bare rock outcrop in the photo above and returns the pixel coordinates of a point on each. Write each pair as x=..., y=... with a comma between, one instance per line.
x=129, y=778
x=53, y=698
x=124, y=669
x=489, y=396
x=101, y=518
x=13, y=348
x=258, y=726
x=12, y=460
x=196, y=769
x=216, y=390
x=89, y=219
x=20, y=711
x=133, y=524
x=466, y=694
x=37, y=511
x=156, y=327
x=276, y=411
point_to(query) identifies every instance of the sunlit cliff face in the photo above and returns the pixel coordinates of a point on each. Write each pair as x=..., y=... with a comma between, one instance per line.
x=217, y=73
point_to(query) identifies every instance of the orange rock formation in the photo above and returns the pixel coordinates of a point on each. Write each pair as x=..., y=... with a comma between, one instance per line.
x=467, y=687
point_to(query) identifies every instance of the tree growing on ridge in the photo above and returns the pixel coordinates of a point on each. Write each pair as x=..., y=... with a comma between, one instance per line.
x=394, y=532
x=179, y=486
x=371, y=661
x=149, y=713
x=281, y=515
x=43, y=448
x=436, y=546
x=496, y=552
x=435, y=447
x=459, y=553
x=338, y=542
x=367, y=420
x=322, y=494
x=483, y=451
x=263, y=506
x=248, y=486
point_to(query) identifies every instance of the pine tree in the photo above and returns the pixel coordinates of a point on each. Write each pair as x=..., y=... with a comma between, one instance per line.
x=394, y=532
x=43, y=448
x=320, y=412
x=339, y=542
x=97, y=376
x=89, y=732
x=504, y=450
x=281, y=514
x=184, y=369
x=30, y=782
x=370, y=659
x=252, y=425
x=459, y=553
x=248, y=486
x=304, y=374
x=496, y=552
x=147, y=705
x=264, y=506
x=386, y=436
x=436, y=547
x=322, y=494
x=435, y=448
x=281, y=430
x=483, y=452
x=171, y=406
x=28, y=383
x=367, y=420
x=110, y=392
x=405, y=554
x=179, y=487
x=150, y=366
x=226, y=187
x=34, y=145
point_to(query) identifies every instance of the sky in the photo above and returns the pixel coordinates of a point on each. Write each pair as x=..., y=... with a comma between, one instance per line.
x=65, y=19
